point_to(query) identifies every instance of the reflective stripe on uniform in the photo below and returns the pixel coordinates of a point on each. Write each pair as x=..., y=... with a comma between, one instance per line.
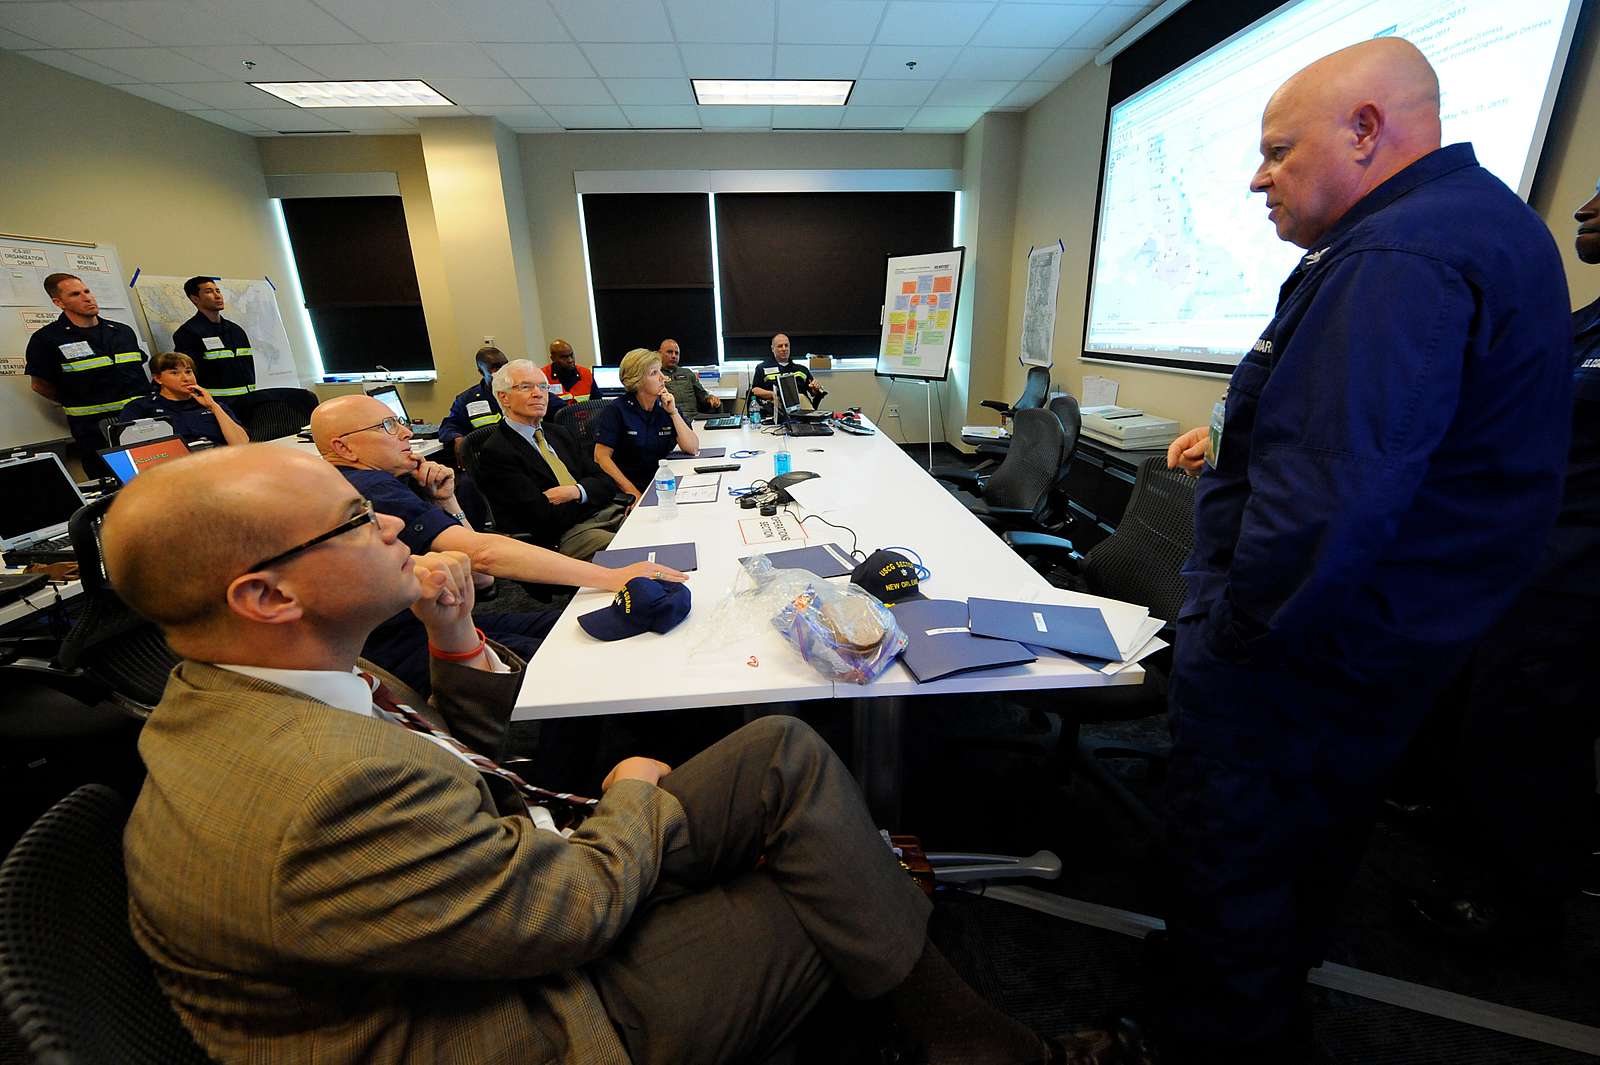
x=484, y=419
x=99, y=408
x=129, y=356
x=220, y=353
x=241, y=390
x=94, y=362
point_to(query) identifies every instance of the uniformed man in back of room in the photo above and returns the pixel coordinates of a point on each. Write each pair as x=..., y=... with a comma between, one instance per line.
x=684, y=383
x=224, y=361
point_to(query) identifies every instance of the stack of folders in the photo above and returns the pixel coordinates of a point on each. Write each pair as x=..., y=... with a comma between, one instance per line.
x=947, y=637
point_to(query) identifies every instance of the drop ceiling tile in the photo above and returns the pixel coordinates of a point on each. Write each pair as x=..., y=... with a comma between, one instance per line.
x=482, y=92
x=343, y=61
x=736, y=117
x=165, y=97
x=651, y=92
x=806, y=117
x=283, y=21
x=1041, y=25
x=440, y=59
x=952, y=93
x=925, y=22
x=876, y=117
x=1062, y=64
x=634, y=60
x=957, y=119
x=367, y=119
x=889, y=61
x=227, y=95
x=997, y=63
x=1028, y=93
x=567, y=92
x=16, y=42
x=167, y=22
x=727, y=60
x=820, y=60
x=228, y=61
x=233, y=122
x=829, y=21
x=61, y=26
x=589, y=117
x=149, y=64
x=393, y=21
x=82, y=67
x=519, y=118
x=615, y=20
x=540, y=60
x=723, y=21
x=1105, y=26
x=429, y=112
x=890, y=93
x=510, y=20
x=663, y=117
x=294, y=120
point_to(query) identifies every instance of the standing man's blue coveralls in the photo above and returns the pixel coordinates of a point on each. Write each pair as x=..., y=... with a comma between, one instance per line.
x=1392, y=452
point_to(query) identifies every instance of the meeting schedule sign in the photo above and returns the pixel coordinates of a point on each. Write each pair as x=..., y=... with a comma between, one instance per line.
x=920, y=296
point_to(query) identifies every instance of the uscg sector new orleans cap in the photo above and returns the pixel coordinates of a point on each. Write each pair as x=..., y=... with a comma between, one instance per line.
x=889, y=576
x=643, y=605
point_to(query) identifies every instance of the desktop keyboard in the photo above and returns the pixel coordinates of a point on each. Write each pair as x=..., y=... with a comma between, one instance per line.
x=424, y=429
x=727, y=421
x=55, y=549
x=809, y=429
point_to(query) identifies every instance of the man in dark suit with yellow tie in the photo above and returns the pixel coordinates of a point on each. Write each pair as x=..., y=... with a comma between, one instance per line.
x=537, y=478
x=320, y=873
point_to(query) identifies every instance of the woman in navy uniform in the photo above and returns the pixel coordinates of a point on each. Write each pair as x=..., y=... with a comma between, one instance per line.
x=635, y=433
x=193, y=412
x=90, y=365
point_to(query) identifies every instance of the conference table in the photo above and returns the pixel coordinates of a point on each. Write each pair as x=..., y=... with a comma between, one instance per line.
x=717, y=658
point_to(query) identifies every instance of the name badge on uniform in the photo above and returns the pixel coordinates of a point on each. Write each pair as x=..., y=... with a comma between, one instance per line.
x=212, y=343
x=77, y=349
x=1219, y=417
x=477, y=407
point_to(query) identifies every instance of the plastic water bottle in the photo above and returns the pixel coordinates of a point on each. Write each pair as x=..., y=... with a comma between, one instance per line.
x=754, y=410
x=666, y=491
x=782, y=459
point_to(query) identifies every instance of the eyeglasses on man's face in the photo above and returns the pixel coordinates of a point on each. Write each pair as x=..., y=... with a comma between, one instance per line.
x=522, y=388
x=390, y=425
x=365, y=517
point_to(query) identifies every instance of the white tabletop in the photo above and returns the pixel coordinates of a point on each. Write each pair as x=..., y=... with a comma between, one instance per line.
x=883, y=495
x=50, y=595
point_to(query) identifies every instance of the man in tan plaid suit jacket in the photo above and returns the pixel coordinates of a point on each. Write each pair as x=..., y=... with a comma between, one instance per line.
x=317, y=883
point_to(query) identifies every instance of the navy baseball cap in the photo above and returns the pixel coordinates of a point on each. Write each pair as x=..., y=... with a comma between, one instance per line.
x=643, y=605
x=889, y=576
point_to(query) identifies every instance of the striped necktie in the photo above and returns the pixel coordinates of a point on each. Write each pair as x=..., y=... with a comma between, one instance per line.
x=401, y=714
x=557, y=467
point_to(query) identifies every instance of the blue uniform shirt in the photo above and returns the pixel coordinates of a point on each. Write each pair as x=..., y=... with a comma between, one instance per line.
x=1390, y=453
x=639, y=439
x=187, y=417
x=390, y=495
x=1572, y=565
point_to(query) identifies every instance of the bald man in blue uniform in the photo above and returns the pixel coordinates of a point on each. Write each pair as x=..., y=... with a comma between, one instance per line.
x=1386, y=459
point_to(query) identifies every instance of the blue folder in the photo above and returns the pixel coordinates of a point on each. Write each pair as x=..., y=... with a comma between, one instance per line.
x=939, y=645
x=705, y=453
x=825, y=560
x=676, y=556
x=1076, y=629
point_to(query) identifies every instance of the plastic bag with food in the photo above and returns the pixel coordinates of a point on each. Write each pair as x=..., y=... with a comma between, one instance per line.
x=844, y=633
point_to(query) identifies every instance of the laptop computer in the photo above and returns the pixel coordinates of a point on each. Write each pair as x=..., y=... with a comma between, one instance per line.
x=608, y=380
x=389, y=396
x=40, y=496
x=128, y=462
x=797, y=421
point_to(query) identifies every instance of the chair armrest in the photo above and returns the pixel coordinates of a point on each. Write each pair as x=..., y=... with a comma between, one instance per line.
x=1033, y=543
x=995, y=404
x=961, y=478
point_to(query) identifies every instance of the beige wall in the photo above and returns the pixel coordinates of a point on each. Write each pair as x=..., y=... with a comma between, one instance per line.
x=1061, y=175
x=177, y=195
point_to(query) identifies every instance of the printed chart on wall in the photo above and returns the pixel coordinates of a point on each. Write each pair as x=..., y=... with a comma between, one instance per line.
x=1039, y=305
x=253, y=304
x=919, y=314
x=26, y=418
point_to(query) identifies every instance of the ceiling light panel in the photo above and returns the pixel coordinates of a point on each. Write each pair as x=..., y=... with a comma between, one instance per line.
x=716, y=92
x=355, y=93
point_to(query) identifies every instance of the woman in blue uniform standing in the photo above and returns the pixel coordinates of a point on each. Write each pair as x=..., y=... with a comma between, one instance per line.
x=193, y=413
x=635, y=433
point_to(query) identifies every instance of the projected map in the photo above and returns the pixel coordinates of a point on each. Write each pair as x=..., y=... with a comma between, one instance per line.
x=1187, y=267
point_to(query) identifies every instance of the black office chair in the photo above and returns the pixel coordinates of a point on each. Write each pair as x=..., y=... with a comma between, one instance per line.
x=111, y=654
x=270, y=413
x=578, y=419
x=471, y=453
x=119, y=434
x=74, y=982
x=1140, y=563
x=1022, y=492
x=1035, y=389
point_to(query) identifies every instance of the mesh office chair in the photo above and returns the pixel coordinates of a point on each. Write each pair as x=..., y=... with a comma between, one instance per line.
x=578, y=419
x=1021, y=493
x=270, y=413
x=74, y=981
x=1035, y=389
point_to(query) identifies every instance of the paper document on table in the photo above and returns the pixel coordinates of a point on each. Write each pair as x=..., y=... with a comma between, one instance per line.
x=703, y=453
x=986, y=432
x=779, y=528
x=1109, y=667
x=1098, y=391
x=699, y=488
x=1128, y=622
x=675, y=556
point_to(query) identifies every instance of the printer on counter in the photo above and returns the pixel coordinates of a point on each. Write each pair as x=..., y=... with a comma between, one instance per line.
x=1127, y=428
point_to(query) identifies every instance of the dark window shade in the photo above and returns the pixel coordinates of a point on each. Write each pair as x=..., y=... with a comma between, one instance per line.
x=353, y=255
x=1190, y=31
x=650, y=265
x=812, y=264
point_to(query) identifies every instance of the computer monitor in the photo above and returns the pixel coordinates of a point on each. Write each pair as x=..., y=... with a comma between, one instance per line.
x=608, y=378
x=128, y=462
x=40, y=496
x=789, y=394
x=389, y=396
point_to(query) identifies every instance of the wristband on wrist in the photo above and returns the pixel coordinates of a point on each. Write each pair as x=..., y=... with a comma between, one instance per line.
x=461, y=656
